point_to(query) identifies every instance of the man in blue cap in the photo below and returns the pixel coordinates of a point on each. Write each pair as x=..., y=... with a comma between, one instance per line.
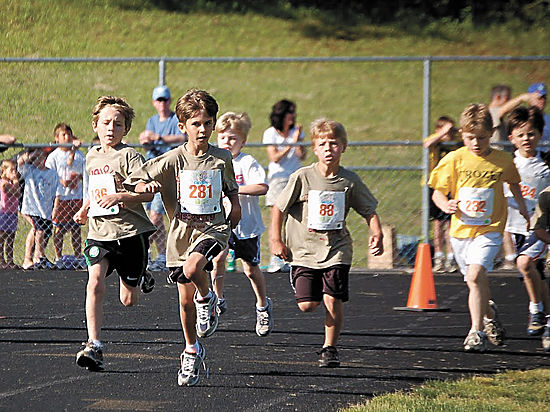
x=540, y=88
x=160, y=132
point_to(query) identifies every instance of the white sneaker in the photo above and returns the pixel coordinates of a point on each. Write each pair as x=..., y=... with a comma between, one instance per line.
x=207, y=315
x=264, y=320
x=475, y=342
x=190, y=368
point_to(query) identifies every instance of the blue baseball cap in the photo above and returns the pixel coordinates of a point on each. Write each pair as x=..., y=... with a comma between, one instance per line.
x=539, y=88
x=161, y=92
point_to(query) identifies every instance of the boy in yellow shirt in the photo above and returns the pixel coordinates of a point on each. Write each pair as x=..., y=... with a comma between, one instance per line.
x=467, y=183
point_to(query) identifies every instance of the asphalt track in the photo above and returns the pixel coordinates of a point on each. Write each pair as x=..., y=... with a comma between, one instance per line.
x=382, y=350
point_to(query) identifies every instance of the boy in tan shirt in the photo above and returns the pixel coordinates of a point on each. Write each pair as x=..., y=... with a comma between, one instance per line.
x=191, y=179
x=316, y=201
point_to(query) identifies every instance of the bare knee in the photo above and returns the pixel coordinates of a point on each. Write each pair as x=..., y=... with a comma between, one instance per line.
x=308, y=306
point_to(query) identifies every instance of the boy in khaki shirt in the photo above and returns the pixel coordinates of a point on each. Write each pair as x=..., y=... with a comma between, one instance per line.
x=316, y=201
x=118, y=226
x=191, y=179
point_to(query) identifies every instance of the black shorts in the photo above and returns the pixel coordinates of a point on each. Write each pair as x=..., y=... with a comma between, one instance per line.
x=246, y=249
x=45, y=225
x=209, y=248
x=311, y=284
x=127, y=256
x=435, y=212
x=520, y=241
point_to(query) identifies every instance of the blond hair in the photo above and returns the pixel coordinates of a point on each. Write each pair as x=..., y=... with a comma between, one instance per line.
x=4, y=166
x=120, y=104
x=328, y=128
x=239, y=122
x=476, y=118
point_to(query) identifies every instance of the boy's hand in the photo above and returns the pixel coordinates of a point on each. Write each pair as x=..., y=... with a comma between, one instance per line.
x=297, y=133
x=279, y=249
x=235, y=215
x=109, y=200
x=523, y=211
x=452, y=206
x=147, y=136
x=76, y=144
x=151, y=187
x=376, y=245
x=81, y=217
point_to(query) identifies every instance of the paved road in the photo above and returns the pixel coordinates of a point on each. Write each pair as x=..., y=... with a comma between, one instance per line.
x=42, y=326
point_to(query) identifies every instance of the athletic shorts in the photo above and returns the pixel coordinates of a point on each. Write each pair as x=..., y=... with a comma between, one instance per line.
x=65, y=211
x=45, y=225
x=127, y=256
x=276, y=186
x=311, y=284
x=480, y=250
x=532, y=247
x=435, y=212
x=8, y=222
x=246, y=249
x=209, y=248
x=156, y=205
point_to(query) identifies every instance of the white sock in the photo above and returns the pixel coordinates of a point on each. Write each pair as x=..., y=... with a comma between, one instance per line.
x=438, y=254
x=97, y=343
x=510, y=258
x=208, y=295
x=450, y=256
x=194, y=348
x=535, y=307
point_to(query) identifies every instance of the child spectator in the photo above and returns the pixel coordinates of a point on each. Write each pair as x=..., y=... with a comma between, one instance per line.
x=444, y=140
x=315, y=202
x=467, y=183
x=9, y=205
x=69, y=163
x=526, y=125
x=191, y=179
x=232, y=131
x=41, y=188
x=283, y=160
x=118, y=229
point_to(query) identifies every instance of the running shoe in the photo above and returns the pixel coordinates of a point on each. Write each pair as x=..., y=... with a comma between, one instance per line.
x=537, y=323
x=438, y=264
x=158, y=265
x=44, y=263
x=493, y=328
x=451, y=266
x=90, y=357
x=222, y=306
x=191, y=364
x=329, y=357
x=475, y=342
x=147, y=282
x=207, y=315
x=264, y=319
x=546, y=339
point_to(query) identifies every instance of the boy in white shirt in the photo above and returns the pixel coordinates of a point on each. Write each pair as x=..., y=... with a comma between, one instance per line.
x=232, y=131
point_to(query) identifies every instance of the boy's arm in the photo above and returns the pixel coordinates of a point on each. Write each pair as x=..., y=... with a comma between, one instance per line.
x=542, y=235
x=111, y=200
x=435, y=138
x=447, y=205
x=516, y=191
x=235, y=214
x=81, y=216
x=278, y=248
x=529, y=98
x=376, y=245
x=55, y=207
x=257, y=189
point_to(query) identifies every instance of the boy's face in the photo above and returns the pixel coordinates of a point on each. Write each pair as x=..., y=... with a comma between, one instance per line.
x=229, y=139
x=110, y=126
x=477, y=142
x=328, y=150
x=198, y=128
x=64, y=136
x=11, y=172
x=526, y=139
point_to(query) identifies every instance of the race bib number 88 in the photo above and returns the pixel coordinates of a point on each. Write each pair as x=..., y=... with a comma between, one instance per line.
x=326, y=210
x=200, y=191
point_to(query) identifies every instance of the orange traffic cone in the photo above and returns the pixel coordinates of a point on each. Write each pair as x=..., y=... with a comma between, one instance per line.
x=422, y=290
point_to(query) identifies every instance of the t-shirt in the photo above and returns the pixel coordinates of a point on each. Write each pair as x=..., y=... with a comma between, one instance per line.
x=165, y=128
x=287, y=164
x=41, y=188
x=57, y=160
x=249, y=172
x=541, y=218
x=478, y=183
x=189, y=183
x=131, y=219
x=440, y=149
x=9, y=202
x=535, y=177
x=310, y=197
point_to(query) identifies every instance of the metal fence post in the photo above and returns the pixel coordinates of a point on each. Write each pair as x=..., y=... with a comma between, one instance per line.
x=162, y=72
x=425, y=153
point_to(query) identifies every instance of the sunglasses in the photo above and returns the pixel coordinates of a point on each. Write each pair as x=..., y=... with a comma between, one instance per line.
x=162, y=99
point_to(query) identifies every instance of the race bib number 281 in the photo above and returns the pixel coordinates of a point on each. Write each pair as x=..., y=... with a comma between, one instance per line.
x=200, y=191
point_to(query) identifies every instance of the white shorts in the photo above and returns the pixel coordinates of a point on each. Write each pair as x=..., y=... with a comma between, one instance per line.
x=480, y=250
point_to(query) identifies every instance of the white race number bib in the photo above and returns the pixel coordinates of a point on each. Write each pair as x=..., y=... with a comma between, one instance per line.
x=476, y=205
x=99, y=186
x=200, y=191
x=326, y=210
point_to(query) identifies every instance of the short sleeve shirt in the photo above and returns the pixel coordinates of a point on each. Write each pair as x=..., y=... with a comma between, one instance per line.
x=57, y=160
x=186, y=229
x=165, y=128
x=131, y=219
x=478, y=183
x=288, y=163
x=320, y=249
x=41, y=188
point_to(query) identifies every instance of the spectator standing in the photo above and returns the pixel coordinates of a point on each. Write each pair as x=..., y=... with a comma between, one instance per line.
x=9, y=205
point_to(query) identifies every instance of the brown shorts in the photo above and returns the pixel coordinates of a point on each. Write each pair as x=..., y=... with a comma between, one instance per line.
x=311, y=284
x=66, y=209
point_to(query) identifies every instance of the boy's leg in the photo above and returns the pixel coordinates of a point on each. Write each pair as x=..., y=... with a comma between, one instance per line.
x=129, y=295
x=29, y=249
x=439, y=257
x=10, y=241
x=257, y=281
x=39, y=244
x=76, y=238
x=95, y=292
x=218, y=272
x=58, y=234
x=188, y=314
x=334, y=318
x=478, y=297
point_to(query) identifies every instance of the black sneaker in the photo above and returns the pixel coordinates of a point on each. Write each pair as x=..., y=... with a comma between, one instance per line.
x=537, y=322
x=147, y=282
x=329, y=357
x=546, y=339
x=90, y=357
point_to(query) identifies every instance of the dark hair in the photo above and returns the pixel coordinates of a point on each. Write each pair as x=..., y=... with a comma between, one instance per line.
x=278, y=112
x=521, y=115
x=62, y=127
x=193, y=101
x=499, y=90
x=443, y=120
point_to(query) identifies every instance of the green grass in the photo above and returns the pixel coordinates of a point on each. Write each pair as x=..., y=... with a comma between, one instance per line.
x=515, y=391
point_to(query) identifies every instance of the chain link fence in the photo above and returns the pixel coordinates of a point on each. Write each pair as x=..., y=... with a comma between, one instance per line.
x=387, y=104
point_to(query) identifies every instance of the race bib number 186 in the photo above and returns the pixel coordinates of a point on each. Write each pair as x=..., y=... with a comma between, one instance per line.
x=98, y=187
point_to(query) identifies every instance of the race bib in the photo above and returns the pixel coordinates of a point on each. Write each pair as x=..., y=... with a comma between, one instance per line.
x=476, y=205
x=326, y=210
x=200, y=191
x=99, y=186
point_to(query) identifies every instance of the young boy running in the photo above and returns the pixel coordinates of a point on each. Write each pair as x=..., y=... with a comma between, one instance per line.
x=191, y=180
x=232, y=131
x=526, y=125
x=468, y=184
x=315, y=202
x=118, y=229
